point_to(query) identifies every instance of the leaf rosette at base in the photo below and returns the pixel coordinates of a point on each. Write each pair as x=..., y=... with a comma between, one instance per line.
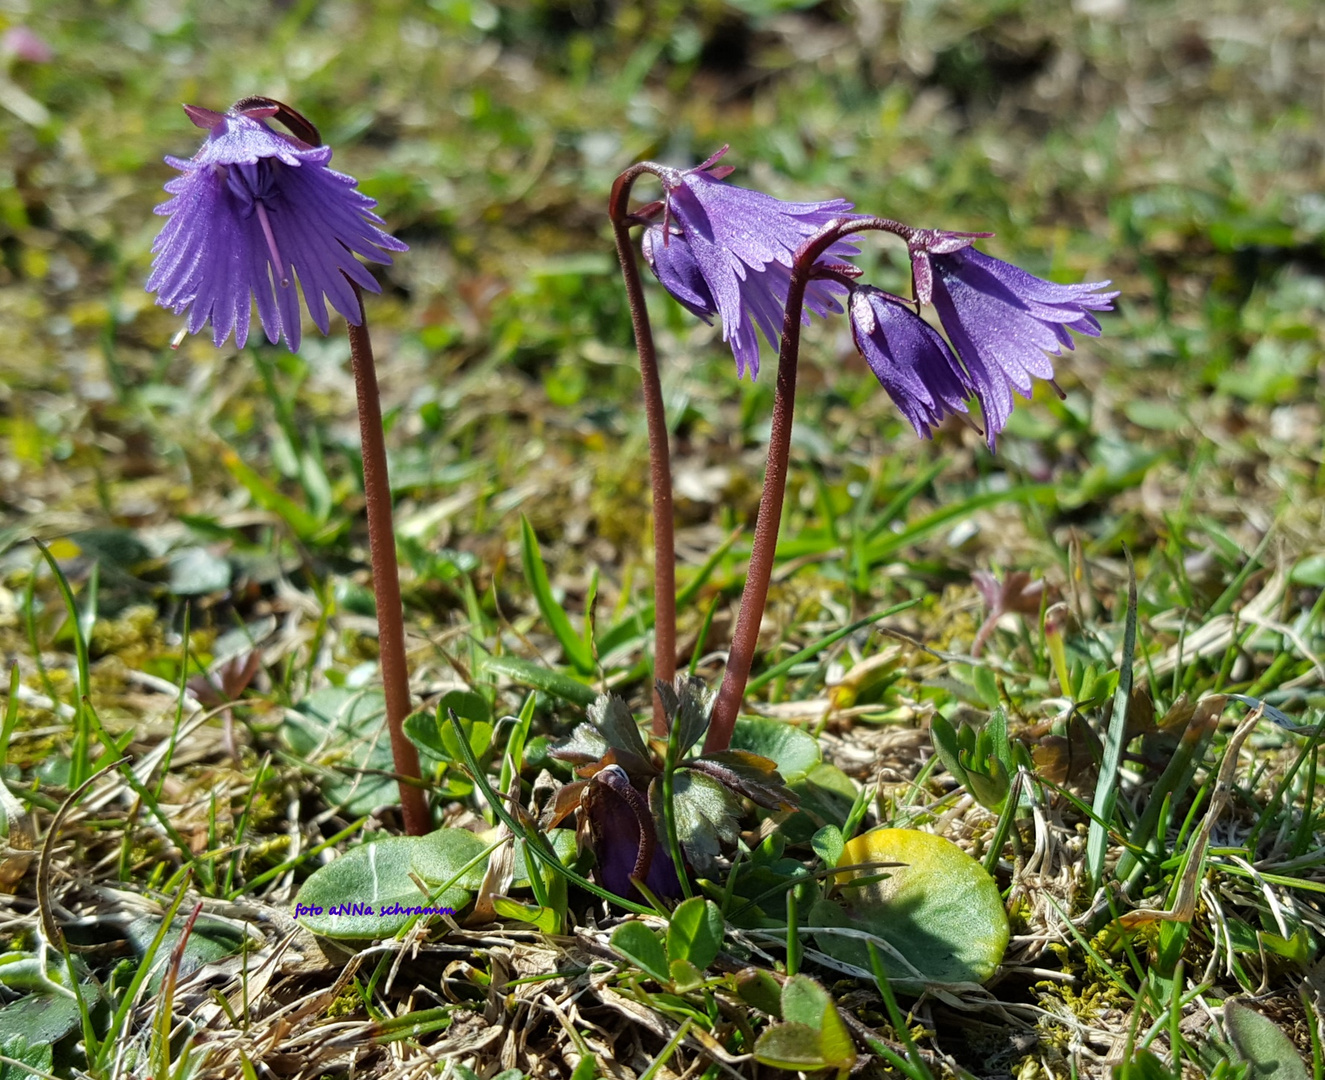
x=621, y=798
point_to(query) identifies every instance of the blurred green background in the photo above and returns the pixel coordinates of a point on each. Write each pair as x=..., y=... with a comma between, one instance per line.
x=1173, y=147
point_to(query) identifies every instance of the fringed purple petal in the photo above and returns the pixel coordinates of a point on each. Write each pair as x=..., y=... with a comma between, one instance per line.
x=909, y=358
x=737, y=258
x=1005, y=324
x=214, y=253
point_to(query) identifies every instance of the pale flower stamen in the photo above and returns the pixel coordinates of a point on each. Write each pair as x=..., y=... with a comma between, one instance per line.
x=274, y=251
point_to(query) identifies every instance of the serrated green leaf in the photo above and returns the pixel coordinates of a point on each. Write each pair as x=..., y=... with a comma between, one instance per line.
x=643, y=948
x=707, y=815
x=694, y=932
x=614, y=720
x=752, y=775
x=686, y=708
x=584, y=744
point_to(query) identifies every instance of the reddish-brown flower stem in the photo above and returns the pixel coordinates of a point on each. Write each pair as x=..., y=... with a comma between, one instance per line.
x=660, y=467
x=386, y=577
x=754, y=597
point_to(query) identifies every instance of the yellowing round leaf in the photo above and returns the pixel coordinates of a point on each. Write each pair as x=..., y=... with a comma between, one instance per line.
x=939, y=916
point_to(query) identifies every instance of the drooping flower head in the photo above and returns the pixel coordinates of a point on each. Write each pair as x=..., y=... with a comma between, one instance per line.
x=255, y=209
x=624, y=837
x=1001, y=320
x=909, y=358
x=726, y=250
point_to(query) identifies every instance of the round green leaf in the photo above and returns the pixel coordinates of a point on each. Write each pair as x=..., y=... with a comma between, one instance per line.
x=1261, y=1042
x=694, y=932
x=804, y=1001
x=758, y=988
x=685, y=976
x=828, y=844
x=444, y=853
x=339, y=730
x=643, y=948
x=794, y=752
x=939, y=910
x=791, y=1046
x=209, y=940
x=43, y=1018
x=368, y=892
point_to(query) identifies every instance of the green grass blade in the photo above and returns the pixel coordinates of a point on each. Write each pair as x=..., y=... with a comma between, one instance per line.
x=530, y=673
x=513, y=759
x=783, y=666
x=303, y=524
x=1106, y=789
x=913, y=1065
x=79, y=763
x=903, y=498
x=573, y=645
x=890, y=543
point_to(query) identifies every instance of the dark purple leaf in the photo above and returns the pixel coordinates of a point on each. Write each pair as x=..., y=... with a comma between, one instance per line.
x=613, y=718
x=623, y=837
x=582, y=746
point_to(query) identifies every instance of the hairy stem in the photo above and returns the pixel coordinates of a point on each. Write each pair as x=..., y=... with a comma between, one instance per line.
x=660, y=467
x=386, y=577
x=755, y=595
